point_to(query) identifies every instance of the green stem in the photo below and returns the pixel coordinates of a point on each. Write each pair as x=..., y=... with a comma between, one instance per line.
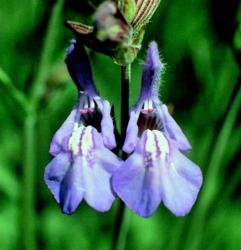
x=123, y=216
x=30, y=137
x=123, y=227
x=29, y=237
x=38, y=87
x=125, y=92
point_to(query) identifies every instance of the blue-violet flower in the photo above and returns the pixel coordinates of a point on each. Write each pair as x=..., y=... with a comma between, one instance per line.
x=83, y=162
x=156, y=170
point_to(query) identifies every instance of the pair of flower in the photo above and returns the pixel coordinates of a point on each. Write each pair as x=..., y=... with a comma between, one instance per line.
x=84, y=167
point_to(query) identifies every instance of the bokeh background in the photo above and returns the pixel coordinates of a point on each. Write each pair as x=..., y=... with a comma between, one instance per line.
x=200, y=41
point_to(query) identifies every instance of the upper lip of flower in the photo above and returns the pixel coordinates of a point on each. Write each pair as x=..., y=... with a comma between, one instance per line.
x=91, y=108
x=149, y=112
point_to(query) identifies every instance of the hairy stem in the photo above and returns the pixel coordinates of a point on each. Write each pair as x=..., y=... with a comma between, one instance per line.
x=122, y=220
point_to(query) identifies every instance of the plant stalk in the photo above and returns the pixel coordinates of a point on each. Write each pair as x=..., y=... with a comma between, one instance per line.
x=122, y=220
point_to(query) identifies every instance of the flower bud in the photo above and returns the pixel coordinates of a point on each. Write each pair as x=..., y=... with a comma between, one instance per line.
x=118, y=28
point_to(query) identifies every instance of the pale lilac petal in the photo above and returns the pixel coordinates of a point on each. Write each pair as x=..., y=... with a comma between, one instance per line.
x=173, y=130
x=97, y=164
x=98, y=192
x=107, y=127
x=55, y=173
x=138, y=186
x=131, y=134
x=180, y=184
x=108, y=160
x=137, y=182
x=72, y=188
x=61, y=138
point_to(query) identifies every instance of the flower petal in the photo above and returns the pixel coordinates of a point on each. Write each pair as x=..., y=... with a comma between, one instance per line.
x=131, y=134
x=61, y=138
x=72, y=187
x=97, y=164
x=98, y=192
x=180, y=184
x=138, y=186
x=107, y=127
x=55, y=173
x=173, y=130
x=151, y=73
x=108, y=160
x=137, y=182
x=79, y=68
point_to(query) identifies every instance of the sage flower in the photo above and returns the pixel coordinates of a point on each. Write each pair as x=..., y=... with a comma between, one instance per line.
x=156, y=170
x=83, y=162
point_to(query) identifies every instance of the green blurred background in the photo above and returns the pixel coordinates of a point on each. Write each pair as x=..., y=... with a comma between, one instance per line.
x=200, y=41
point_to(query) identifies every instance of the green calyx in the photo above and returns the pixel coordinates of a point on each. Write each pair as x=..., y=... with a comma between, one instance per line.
x=129, y=9
x=127, y=51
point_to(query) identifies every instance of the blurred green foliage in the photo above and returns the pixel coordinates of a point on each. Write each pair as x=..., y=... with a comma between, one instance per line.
x=200, y=41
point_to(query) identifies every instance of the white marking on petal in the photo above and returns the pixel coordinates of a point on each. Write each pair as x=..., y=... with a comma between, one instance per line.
x=150, y=148
x=148, y=107
x=86, y=147
x=162, y=144
x=156, y=146
x=87, y=141
x=75, y=138
x=150, y=142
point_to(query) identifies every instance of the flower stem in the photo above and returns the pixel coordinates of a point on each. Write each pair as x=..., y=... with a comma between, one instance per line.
x=122, y=220
x=125, y=92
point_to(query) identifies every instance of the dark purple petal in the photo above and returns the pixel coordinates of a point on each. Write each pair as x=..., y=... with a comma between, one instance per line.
x=55, y=172
x=72, y=188
x=180, y=184
x=131, y=134
x=79, y=68
x=61, y=138
x=173, y=130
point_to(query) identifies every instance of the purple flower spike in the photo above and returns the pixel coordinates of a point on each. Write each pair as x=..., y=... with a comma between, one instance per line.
x=83, y=163
x=156, y=170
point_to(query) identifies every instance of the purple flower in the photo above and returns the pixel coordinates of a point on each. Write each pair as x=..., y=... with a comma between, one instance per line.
x=156, y=170
x=83, y=163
